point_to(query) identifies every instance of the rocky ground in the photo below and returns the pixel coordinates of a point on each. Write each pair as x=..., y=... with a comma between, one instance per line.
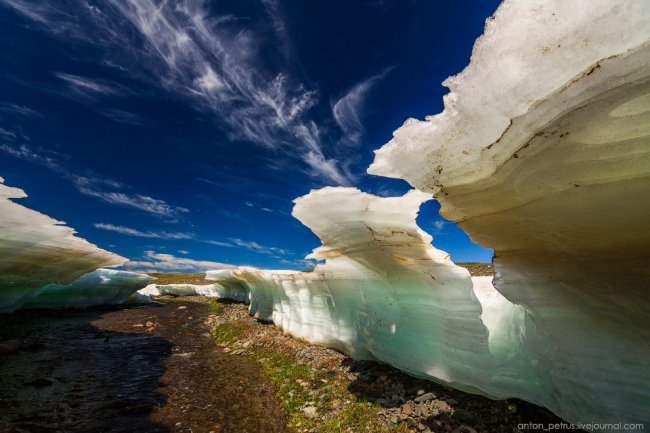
x=178, y=278
x=148, y=369
x=322, y=390
x=478, y=269
x=197, y=365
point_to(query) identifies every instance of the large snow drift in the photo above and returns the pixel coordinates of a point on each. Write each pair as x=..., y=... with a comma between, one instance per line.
x=385, y=293
x=36, y=250
x=543, y=154
x=100, y=287
x=208, y=290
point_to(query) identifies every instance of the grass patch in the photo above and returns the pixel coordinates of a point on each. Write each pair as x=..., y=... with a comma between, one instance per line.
x=216, y=307
x=300, y=385
x=179, y=278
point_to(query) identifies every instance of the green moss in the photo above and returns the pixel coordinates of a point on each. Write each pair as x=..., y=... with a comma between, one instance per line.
x=359, y=417
x=299, y=385
x=216, y=307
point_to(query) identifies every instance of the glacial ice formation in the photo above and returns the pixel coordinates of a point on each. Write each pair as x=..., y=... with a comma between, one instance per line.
x=208, y=290
x=36, y=250
x=100, y=287
x=543, y=154
x=384, y=292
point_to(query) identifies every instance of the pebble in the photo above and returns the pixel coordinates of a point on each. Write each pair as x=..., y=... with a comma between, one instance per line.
x=182, y=307
x=407, y=409
x=309, y=411
x=451, y=401
x=425, y=397
x=422, y=411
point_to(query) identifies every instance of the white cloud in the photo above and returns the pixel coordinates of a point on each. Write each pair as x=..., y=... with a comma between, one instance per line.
x=8, y=107
x=153, y=261
x=183, y=252
x=89, y=186
x=138, y=233
x=36, y=12
x=85, y=85
x=209, y=60
x=235, y=242
x=348, y=110
x=7, y=134
x=24, y=152
x=254, y=246
x=438, y=225
x=217, y=243
x=209, y=80
x=95, y=186
x=122, y=116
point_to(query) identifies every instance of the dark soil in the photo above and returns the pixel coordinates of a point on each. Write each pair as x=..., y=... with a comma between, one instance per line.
x=139, y=369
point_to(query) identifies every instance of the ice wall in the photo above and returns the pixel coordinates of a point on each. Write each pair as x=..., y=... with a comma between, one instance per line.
x=543, y=154
x=385, y=293
x=36, y=250
x=100, y=287
x=209, y=290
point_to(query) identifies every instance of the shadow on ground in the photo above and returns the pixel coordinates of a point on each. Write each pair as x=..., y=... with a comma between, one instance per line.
x=436, y=406
x=71, y=376
x=152, y=368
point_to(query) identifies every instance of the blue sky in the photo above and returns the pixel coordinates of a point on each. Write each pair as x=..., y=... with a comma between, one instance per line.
x=178, y=133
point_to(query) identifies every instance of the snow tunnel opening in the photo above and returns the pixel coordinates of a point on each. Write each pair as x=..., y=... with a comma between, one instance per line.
x=449, y=237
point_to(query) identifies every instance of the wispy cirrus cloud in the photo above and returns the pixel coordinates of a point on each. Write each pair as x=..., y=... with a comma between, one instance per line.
x=105, y=189
x=122, y=116
x=263, y=249
x=348, y=110
x=7, y=134
x=153, y=261
x=86, y=86
x=24, y=152
x=128, y=231
x=234, y=242
x=214, y=61
x=143, y=234
x=11, y=108
x=90, y=187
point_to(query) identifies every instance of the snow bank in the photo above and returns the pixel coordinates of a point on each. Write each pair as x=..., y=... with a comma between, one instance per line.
x=384, y=292
x=100, y=287
x=209, y=290
x=543, y=154
x=36, y=250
